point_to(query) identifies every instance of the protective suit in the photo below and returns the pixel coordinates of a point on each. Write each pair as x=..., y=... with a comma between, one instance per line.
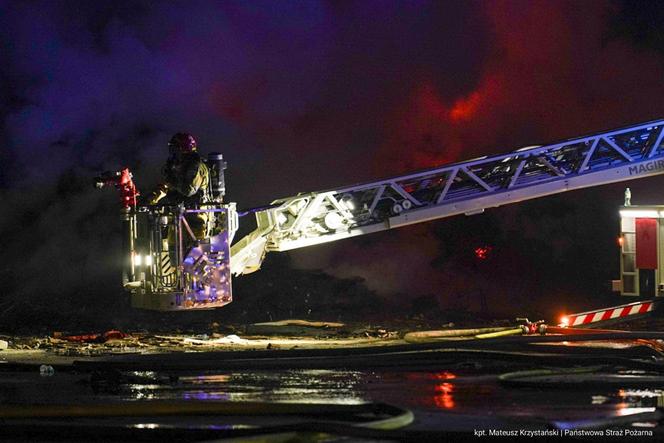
x=185, y=180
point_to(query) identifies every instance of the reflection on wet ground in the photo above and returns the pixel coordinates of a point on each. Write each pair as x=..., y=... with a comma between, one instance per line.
x=442, y=390
x=443, y=399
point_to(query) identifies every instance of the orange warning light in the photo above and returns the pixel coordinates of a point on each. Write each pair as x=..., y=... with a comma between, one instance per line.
x=564, y=321
x=621, y=241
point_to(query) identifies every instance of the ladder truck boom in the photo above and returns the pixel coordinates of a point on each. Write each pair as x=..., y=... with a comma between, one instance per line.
x=467, y=187
x=168, y=267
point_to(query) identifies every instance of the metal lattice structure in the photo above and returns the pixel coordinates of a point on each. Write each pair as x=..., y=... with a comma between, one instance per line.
x=461, y=188
x=168, y=268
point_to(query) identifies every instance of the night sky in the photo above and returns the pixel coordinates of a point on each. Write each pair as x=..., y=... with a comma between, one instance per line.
x=307, y=95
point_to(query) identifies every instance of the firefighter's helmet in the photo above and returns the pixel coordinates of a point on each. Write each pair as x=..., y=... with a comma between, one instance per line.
x=182, y=143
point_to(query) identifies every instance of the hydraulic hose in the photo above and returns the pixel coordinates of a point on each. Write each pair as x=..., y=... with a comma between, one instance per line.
x=589, y=336
x=438, y=336
x=334, y=419
x=429, y=336
x=400, y=417
x=379, y=356
x=587, y=377
x=506, y=333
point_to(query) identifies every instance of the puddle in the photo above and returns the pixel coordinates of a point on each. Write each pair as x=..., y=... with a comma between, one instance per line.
x=443, y=399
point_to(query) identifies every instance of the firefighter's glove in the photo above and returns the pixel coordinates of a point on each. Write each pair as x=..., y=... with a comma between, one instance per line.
x=158, y=194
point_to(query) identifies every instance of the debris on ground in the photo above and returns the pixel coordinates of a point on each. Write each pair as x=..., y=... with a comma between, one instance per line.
x=228, y=340
x=92, y=338
x=295, y=327
x=296, y=322
x=66, y=346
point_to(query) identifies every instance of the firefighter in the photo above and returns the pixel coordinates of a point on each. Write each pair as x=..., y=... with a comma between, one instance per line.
x=185, y=181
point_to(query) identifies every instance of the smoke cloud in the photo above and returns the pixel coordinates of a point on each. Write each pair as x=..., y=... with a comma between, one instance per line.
x=299, y=96
x=552, y=70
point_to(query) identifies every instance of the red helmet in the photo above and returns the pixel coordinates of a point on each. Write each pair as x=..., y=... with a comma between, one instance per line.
x=182, y=143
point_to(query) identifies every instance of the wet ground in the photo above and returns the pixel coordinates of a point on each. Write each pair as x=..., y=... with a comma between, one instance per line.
x=447, y=401
x=605, y=388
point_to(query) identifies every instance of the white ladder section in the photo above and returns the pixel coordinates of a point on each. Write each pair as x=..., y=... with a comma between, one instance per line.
x=461, y=188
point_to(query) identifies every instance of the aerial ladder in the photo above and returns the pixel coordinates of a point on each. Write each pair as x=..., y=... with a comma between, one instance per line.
x=199, y=274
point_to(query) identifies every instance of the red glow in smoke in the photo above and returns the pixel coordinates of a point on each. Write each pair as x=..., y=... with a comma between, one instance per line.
x=540, y=83
x=431, y=133
x=465, y=108
x=420, y=136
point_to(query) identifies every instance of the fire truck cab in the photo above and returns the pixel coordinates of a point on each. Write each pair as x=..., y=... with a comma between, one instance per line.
x=641, y=250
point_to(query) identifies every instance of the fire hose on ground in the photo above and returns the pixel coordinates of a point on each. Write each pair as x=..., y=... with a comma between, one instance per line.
x=526, y=327
x=116, y=422
x=545, y=348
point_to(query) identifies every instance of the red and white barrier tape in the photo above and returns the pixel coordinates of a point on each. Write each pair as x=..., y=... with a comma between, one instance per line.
x=599, y=315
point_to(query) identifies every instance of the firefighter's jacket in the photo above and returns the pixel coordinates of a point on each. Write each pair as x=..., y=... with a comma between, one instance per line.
x=186, y=180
